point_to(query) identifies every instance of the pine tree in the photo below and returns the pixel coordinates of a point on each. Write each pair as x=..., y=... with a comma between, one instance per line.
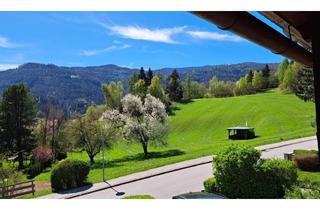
x=174, y=88
x=142, y=75
x=265, y=76
x=17, y=118
x=303, y=86
x=149, y=77
x=249, y=77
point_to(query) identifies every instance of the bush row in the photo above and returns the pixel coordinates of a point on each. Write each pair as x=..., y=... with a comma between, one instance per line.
x=306, y=160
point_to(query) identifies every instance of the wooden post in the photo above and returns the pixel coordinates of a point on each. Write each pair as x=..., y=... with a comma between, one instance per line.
x=316, y=74
x=33, y=188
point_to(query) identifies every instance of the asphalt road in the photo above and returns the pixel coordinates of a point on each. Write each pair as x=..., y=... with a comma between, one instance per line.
x=183, y=181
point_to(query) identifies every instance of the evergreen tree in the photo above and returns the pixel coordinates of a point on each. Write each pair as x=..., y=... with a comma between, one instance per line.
x=304, y=87
x=17, y=118
x=149, y=77
x=265, y=76
x=142, y=75
x=174, y=88
x=249, y=77
x=266, y=71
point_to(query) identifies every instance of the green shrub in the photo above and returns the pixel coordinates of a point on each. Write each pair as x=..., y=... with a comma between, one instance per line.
x=235, y=172
x=138, y=197
x=69, y=174
x=9, y=174
x=304, y=190
x=210, y=185
x=307, y=161
x=240, y=173
x=275, y=177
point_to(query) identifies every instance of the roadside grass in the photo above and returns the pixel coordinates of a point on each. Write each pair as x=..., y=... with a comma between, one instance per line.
x=198, y=129
x=138, y=197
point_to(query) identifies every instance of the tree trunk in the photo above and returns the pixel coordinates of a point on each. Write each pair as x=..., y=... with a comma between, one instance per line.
x=145, y=149
x=20, y=159
x=91, y=159
x=53, y=149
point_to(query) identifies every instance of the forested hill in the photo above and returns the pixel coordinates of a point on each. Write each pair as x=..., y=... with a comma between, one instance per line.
x=75, y=87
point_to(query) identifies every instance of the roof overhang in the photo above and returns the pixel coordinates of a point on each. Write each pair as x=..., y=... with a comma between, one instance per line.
x=297, y=26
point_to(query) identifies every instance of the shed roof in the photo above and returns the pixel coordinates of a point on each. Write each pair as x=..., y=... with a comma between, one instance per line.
x=240, y=128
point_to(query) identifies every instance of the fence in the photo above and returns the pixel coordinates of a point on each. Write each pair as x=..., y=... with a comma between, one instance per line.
x=16, y=190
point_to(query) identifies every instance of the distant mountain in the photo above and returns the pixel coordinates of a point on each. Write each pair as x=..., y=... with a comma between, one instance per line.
x=76, y=87
x=226, y=72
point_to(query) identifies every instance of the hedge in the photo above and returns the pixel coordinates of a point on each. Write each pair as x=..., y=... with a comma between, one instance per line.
x=69, y=174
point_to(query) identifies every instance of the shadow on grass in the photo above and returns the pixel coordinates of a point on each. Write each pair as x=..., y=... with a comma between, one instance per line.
x=138, y=157
x=109, y=164
x=172, y=110
x=186, y=101
x=237, y=139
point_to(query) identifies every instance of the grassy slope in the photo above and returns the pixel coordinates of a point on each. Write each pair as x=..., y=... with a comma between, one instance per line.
x=198, y=129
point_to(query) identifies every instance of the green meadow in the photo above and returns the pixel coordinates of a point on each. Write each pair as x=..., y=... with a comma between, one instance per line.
x=198, y=128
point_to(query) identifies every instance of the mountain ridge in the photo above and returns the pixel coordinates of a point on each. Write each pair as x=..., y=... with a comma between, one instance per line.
x=76, y=87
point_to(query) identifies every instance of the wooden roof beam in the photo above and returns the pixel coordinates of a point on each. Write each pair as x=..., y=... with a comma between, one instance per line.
x=253, y=29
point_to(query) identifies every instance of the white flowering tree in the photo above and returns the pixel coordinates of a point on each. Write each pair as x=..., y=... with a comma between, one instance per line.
x=145, y=122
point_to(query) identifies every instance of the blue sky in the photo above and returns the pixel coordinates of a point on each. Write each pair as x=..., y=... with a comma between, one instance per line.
x=132, y=39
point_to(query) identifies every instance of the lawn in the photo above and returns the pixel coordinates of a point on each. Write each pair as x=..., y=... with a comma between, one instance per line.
x=311, y=176
x=198, y=129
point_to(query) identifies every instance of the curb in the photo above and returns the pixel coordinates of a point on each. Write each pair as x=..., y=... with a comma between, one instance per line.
x=284, y=145
x=137, y=179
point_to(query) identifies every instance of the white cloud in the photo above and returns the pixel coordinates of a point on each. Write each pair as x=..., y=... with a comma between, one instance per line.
x=214, y=36
x=164, y=35
x=5, y=43
x=4, y=66
x=105, y=50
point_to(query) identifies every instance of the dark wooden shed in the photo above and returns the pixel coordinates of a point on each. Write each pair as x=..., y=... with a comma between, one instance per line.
x=241, y=132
